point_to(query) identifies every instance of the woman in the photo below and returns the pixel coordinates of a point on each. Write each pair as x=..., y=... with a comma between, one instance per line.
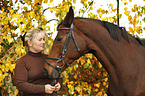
x=29, y=77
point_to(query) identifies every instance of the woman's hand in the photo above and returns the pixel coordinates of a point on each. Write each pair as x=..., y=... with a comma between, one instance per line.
x=57, y=86
x=49, y=89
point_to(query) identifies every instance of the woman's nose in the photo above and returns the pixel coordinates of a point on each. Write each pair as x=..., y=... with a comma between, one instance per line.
x=43, y=41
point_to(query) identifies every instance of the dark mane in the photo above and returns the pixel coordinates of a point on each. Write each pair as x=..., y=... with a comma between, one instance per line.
x=114, y=30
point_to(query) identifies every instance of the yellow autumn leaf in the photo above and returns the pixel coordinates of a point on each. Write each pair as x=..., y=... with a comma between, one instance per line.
x=143, y=28
x=129, y=18
x=0, y=84
x=45, y=1
x=51, y=1
x=126, y=3
x=114, y=10
x=16, y=92
x=130, y=0
x=21, y=28
x=103, y=11
x=97, y=85
x=7, y=66
x=82, y=61
x=32, y=13
x=103, y=19
x=43, y=17
x=2, y=68
x=91, y=8
x=51, y=10
x=130, y=29
x=1, y=74
x=135, y=7
x=137, y=29
x=88, y=61
x=96, y=90
x=111, y=19
x=78, y=60
x=12, y=67
x=100, y=15
x=37, y=18
x=125, y=8
x=111, y=5
x=5, y=74
x=99, y=94
x=75, y=76
x=99, y=10
x=71, y=82
x=91, y=15
x=100, y=65
x=75, y=67
x=106, y=79
x=104, y=83
x=127, y=13
x=11, y=11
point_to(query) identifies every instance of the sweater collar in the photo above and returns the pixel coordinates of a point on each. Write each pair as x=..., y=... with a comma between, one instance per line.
x=34, y=54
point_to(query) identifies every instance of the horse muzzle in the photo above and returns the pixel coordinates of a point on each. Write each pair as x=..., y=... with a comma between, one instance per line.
x=53, y=75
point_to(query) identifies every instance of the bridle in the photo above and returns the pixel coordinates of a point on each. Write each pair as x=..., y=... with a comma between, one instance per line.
x=59, y=68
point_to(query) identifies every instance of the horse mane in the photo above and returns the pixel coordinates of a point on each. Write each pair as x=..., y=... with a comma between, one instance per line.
x=115, y=31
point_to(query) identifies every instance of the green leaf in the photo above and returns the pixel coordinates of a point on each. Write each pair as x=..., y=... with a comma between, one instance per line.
x=13, y=88
x=74, y=1
x=90, y=66
x=65, y=73
x=10, y=84
x=10, y=40
x=86, y=65
x=78, y=88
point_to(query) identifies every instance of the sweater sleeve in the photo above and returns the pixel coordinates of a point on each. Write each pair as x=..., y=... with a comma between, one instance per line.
x=21, y=80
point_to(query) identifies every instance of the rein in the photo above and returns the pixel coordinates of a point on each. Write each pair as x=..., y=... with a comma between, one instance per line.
x=59, y=68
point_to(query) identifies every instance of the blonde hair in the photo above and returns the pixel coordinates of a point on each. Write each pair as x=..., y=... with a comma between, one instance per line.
x=32, y=34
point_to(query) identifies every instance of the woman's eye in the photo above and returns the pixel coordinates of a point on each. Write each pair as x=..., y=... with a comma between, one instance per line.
x=58, y=39
x=42, y=39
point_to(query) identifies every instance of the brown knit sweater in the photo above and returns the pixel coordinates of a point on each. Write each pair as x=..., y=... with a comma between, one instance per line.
x=29, y=77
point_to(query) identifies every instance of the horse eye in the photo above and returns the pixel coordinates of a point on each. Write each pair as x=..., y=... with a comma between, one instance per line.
x=58, y=39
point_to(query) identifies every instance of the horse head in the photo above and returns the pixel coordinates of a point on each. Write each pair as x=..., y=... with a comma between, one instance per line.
x=66, y=48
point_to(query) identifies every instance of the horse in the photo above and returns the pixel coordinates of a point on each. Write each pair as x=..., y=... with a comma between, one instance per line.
x=122, y=55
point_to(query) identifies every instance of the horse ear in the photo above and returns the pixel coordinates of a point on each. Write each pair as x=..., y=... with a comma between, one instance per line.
x=69, y=17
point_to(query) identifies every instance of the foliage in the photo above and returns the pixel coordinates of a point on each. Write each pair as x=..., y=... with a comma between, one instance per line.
x=81, y=79
x=86, y=76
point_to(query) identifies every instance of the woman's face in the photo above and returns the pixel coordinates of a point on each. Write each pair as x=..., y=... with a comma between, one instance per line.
x=37, y=45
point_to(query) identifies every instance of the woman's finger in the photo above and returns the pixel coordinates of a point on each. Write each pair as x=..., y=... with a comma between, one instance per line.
x=57, y=86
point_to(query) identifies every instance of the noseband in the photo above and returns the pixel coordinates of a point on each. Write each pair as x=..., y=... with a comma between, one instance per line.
x=70, y=34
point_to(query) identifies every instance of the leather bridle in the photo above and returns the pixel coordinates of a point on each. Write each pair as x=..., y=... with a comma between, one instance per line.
x=59, y=68
x=70, y=35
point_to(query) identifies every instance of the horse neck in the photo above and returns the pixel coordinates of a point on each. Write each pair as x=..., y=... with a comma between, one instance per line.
x=99, y=43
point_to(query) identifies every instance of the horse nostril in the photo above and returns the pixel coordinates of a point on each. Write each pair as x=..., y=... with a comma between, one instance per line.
x=45, y=72
x=54, y=74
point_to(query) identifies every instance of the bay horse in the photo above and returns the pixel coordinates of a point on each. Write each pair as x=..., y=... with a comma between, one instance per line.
x=122, y=55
